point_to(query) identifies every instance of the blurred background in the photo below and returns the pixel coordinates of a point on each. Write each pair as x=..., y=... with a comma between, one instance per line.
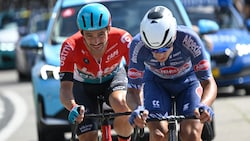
x=30, y=4
x=25, y=20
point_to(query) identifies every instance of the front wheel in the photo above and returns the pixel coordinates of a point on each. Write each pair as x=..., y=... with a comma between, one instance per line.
x=173, y=135
x=208, y=132
x=140, y=135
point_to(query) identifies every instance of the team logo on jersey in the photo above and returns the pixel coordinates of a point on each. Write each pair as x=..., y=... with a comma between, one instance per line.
x=86, y=60
x=199, y=91
x=191, y=45
x=64, y=53
x=112, y=55
x=202, y=66
x=169, y=70
x=156, y=103
x=126, y=38
x=137, y=48
x=134, y=73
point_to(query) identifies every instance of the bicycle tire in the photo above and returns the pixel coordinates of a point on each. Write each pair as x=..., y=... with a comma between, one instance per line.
x=173, y=135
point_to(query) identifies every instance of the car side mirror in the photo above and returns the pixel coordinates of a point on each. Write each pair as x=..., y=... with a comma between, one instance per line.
x=31, y=41
x=248, y=24
x=207, y=26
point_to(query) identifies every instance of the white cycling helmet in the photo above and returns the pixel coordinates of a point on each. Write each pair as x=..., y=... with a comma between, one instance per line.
x=158, y=27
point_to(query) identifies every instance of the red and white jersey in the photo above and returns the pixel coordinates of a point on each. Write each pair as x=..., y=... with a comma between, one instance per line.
x=76, y=58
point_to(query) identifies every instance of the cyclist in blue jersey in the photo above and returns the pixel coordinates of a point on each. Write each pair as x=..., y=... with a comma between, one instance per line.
x=165, y=60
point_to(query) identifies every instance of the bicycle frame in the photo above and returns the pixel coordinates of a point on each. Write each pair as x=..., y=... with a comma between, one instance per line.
x=173, y=121
x=105, y=125
x=172, y=124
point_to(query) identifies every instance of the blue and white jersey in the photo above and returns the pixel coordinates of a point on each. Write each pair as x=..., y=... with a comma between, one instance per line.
x=187, y=58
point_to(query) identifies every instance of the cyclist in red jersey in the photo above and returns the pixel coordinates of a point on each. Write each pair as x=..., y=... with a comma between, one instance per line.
x=91, y=65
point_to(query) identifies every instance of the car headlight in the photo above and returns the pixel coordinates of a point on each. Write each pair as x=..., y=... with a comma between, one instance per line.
x=48, y=71
x=243, y=49
x=7, y=46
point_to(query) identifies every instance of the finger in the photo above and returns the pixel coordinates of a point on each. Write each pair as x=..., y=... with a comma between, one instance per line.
x=79, y=119
x=197, y=113
x=205, y=117
x=82, y=109
x=140, y=122
x=145, y=115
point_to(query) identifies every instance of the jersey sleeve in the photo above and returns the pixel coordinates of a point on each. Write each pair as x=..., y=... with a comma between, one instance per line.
x=126, y=40
x=136, y=64
x=67, y=57
x=199, y=55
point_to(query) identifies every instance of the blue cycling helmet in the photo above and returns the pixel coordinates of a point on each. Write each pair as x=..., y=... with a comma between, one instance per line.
x=93, y=16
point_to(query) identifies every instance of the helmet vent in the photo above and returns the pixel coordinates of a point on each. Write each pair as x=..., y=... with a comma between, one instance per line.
x=156, y=13
x=84, y=23
x=145, y=37
x=168, y=43
x=92, y=20
x=154, y=21
x=165, y=37
x=100, y=20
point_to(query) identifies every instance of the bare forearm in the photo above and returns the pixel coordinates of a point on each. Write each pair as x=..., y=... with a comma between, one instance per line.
x=66, y=95
x=209, y=92
x=134, y=98
x=67, y=100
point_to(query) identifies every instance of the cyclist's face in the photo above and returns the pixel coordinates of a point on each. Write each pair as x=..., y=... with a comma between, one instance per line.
x=96, y=40
x=162, y=56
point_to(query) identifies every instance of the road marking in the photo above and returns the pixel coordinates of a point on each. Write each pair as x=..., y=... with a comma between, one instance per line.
x=20, y=112
x=1, y=109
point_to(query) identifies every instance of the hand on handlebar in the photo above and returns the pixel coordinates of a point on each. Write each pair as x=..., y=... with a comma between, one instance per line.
x=204, y=113
x=76, y=114
x=138, y=117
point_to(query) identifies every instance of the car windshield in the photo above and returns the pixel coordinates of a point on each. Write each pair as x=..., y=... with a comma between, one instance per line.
x=224, y=16
x=39, y=22
x=124, y=15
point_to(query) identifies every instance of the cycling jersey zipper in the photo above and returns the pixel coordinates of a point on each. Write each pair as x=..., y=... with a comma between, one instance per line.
x=100, y=72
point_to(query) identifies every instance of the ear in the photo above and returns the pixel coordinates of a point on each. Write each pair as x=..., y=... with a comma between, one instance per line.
x=81, y=32
x=108, y=28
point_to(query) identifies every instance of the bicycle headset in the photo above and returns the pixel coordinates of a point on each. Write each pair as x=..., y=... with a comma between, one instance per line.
x=93, y=16
x=158, y=27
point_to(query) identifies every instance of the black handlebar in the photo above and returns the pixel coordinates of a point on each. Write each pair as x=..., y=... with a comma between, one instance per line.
x=106, y=115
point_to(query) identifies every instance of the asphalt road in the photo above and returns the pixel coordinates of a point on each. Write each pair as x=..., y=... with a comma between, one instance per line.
x=17, y=115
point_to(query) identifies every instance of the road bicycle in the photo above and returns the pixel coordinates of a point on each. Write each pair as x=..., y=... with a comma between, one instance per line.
x=174, y=119
x=106, y=115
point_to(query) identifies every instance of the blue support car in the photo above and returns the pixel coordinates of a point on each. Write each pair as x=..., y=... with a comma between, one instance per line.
x=230, y=54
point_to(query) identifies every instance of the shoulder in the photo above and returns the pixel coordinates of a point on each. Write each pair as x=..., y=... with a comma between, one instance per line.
x=73, y=40
x=137, y=37
x=185, y=30
x=189, y=40
x=120, y=34
x=186, y=35
x=138, y=50
x=137, y=41
x=137, y=44
x=118, y=31
x=74, y=37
